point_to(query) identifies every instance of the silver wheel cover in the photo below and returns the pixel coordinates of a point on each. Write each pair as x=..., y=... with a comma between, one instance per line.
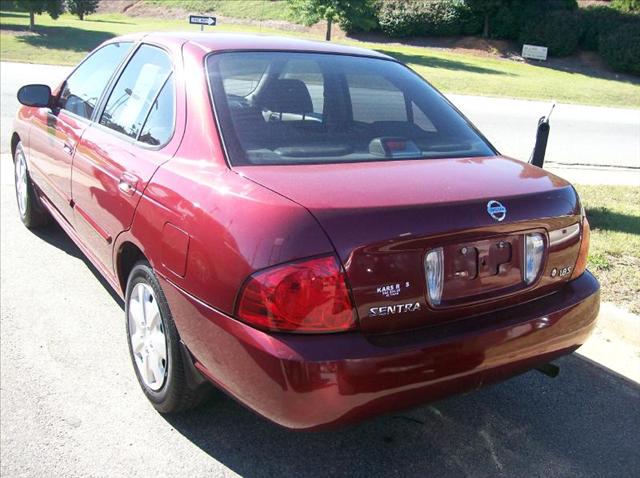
x=22, y=181
x=146, y=333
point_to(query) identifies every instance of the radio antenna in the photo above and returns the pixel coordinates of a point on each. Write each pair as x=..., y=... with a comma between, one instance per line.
x=262, y=15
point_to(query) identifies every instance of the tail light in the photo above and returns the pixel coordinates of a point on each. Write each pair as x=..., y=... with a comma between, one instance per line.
x=581, y=263
x=309, y=296
x=533, y=253
x=434, y=269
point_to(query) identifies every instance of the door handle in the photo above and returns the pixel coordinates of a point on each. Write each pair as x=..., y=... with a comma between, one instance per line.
x=127, y=184
x=68, y=146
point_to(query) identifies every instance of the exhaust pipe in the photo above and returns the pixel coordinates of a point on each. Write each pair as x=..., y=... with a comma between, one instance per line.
x=549, y=369
x=542, y=136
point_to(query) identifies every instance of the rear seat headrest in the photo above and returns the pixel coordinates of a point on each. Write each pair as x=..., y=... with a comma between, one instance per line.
x=286, y=96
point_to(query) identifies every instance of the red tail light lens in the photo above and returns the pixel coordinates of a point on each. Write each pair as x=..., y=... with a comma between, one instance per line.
x=309, y=296
x=581, y=263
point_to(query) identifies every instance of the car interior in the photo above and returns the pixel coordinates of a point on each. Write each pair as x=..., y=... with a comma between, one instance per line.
x=288, y=108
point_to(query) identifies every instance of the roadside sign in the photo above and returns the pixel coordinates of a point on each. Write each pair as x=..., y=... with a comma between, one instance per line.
x=534, y=52
x=202, y=20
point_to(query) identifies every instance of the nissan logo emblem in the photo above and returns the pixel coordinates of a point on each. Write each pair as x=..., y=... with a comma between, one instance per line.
x=496, y=210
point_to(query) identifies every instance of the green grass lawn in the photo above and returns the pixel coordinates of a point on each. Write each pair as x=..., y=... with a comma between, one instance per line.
x=614, y=256
x=252, y=9
x=67, y=40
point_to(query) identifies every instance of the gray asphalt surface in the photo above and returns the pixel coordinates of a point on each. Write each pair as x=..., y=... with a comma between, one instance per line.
x=70, y=404
x=584, y=135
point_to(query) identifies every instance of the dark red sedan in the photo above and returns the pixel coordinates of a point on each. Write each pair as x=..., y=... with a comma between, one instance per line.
x=312, y=228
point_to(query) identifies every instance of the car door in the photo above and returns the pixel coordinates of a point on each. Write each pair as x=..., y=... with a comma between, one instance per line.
x=57, y=131
x=119, y=153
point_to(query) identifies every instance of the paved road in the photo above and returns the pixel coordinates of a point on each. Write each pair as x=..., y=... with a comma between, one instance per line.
x=579, y=134
x=70, y=405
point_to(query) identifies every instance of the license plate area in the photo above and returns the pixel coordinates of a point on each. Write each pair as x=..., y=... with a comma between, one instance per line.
x=482, y=269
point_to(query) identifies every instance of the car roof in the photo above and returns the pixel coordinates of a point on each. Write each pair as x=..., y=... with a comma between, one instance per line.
x=211, y=42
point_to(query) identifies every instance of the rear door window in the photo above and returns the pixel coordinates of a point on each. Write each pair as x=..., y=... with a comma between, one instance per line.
x=83, y=88
x=158, y=128
x=136, y=91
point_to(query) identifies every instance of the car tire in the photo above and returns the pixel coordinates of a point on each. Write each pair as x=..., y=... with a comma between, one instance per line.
x=32, y=212
x=162, y=373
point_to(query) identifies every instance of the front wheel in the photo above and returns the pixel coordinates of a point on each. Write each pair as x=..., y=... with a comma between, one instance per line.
x=154, y=345
x=32, y=213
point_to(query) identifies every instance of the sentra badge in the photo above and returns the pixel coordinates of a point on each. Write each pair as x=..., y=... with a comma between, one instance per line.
x=386, y=310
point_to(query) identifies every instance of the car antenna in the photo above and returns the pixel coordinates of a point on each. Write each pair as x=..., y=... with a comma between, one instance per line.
x=262, y=15
x=542, y=136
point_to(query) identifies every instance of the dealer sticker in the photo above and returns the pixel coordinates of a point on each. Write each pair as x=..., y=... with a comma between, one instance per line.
x=390, y=290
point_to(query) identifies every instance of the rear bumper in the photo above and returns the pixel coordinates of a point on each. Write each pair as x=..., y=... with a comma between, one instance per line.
x=311, y=382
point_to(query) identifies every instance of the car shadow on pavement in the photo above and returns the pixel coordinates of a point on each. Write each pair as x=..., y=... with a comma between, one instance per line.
x=586, y=422
x=53, y=234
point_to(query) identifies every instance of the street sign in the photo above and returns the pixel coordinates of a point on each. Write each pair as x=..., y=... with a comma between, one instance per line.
x=534, y=52
x=202, y=20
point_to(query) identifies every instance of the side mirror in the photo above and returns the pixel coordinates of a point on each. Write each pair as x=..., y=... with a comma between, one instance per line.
x=35, y=95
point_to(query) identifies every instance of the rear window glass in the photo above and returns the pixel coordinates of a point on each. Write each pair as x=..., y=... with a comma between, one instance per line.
x=295, y=108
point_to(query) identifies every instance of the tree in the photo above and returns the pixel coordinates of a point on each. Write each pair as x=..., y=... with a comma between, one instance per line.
x=53, y=7
x=343, y=11
x=627, y=5
x=82, y=7
x=486, y=8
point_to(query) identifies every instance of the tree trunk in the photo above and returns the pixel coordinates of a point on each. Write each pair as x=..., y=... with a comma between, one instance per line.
x=81, y=15
x=485, y=32
x=32, y=20
x=327, y=37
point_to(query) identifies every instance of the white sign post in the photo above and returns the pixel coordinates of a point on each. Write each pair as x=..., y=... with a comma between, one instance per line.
x=534, y=52
x=202, y=20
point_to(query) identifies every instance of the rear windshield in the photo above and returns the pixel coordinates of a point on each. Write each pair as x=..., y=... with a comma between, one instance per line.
x=296, y=108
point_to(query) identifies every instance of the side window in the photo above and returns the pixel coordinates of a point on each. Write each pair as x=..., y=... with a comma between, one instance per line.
x=389, y=104
x=136, y=90
x=158, y=128
x=85, y=85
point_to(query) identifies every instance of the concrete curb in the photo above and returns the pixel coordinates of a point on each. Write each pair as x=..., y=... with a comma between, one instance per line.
x=596, y=175
x=615, y=343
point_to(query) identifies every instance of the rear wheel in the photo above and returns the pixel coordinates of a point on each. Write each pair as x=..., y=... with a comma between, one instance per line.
x=154, y=345
x=31, y=211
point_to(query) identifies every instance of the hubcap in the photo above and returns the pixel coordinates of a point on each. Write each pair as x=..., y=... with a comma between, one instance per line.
x=22, y=182
x=146, y=333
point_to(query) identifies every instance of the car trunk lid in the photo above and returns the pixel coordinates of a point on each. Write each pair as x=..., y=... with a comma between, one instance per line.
x=384, y=217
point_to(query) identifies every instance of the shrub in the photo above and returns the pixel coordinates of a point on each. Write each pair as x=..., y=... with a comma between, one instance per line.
x=469, y=22
x=360, y=17
x=513, y=15
x=440, y=19
x=559, y=31
x=505, y=24
x=626, y=5
x=399, y=18
x=621, y=48
x=600, y=20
